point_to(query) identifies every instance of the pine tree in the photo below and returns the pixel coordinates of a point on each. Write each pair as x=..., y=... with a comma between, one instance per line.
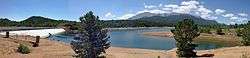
x=245, y=35
x=92, y=40
x=185, y=31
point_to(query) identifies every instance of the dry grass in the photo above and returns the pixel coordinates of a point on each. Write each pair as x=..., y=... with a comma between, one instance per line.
x=162, y=34
x=53, y=49
x=46, y=49
x=229, y=39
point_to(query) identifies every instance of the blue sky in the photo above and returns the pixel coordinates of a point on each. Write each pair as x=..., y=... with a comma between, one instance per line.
x=223, y=11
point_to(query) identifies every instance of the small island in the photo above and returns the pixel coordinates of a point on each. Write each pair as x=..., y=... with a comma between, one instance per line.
x=161, y=34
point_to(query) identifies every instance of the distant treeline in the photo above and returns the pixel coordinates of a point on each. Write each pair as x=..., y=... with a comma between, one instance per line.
x=33, y=21
x=38, y=21
x=135, y=23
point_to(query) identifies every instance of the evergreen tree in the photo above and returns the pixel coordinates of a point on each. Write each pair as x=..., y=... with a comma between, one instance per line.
x=205, y=30
x=185, y=31
x=92, y=40
x=239, y=31
x=245, y=35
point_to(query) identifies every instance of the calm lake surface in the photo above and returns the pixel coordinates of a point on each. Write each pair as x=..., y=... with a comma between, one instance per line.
x=133, y=38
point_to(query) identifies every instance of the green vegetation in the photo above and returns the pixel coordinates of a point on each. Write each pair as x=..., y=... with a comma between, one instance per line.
x=205, y=30
x=71, y=26
x=219, y=31
x=245, y=36
x=185, y=31
x=34, y=21
x=243, y=30
x=239, y=31
x=92, y=40
x=227, y=40
x=23, y=49
x=154, y=21
x=134, y=23
x=157, y=21
x=4, y=22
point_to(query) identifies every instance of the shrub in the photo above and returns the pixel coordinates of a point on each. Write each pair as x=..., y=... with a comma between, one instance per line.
x=205, y=30
x=239, y=31
x=23, y=49
x=244, y=33
x=219, y=31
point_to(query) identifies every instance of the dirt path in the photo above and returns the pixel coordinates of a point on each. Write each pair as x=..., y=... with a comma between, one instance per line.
x=229, y=52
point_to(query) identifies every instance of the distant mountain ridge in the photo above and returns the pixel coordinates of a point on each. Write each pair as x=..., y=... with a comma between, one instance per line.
x=141, y=15
x=140, y=20
x=33, y=21
x=172, y=18
x=6, y=22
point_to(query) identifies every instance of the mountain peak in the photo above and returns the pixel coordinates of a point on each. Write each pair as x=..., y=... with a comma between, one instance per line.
x=172, y=18
x=141, y=15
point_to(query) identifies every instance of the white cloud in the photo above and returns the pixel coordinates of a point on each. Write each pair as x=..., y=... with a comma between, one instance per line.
x=109, y=16
x=234, y=18
x=213, y=17
x=228, y=15
x=243, y=14
x=126, y=16
x=204, y=11
x=219, y=11
x=157, y=11
x=167, y=9
x=160, y=5
x=149, y=6
x=142, y=11
x=242, y=19
x=190, y=3
x=185, y=9
x=191, y=7
x=171, y=6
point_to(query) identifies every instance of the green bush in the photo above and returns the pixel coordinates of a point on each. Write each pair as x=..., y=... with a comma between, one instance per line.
x=244, y=33
x=205, y=30
x=245, y=40
x=23, y=49
x=239, y=31
x=219, y=31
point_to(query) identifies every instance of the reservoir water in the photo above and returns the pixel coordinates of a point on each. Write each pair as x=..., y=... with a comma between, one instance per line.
x=133, y=38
